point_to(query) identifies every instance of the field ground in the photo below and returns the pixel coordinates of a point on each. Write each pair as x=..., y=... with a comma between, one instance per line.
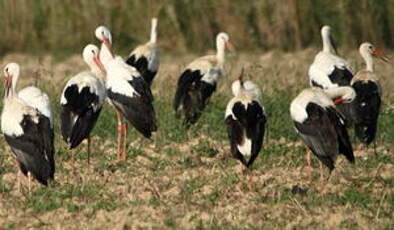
x=185, y=178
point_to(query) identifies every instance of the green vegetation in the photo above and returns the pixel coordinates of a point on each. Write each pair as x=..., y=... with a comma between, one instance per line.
x=64, y=25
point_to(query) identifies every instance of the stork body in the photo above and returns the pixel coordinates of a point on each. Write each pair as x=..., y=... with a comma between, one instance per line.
x=245, y=118
x=328, y=70
x=82, y=100
x=320, y=125
x=366, y=106
x=198, y=82
x=145, y=58
x=27, y=125
x=128, y=92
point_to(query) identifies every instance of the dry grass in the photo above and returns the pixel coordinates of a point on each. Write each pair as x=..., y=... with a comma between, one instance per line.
x=183, y=179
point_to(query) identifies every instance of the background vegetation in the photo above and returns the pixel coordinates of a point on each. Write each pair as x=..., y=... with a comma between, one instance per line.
x=64, y=25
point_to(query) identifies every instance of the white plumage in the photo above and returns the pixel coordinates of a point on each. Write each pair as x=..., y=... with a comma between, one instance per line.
x=328, y=70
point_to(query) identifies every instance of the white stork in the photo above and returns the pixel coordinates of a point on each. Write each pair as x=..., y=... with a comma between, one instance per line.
x=320, y=125
x=198, y=81
x=328, y=70
x=366, y=105
x=128, y=92
x=82, y=100
x=145, y=58
x=245, y=118
x=27, y=125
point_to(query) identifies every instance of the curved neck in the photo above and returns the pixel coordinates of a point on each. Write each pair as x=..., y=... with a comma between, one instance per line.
x=334, y=93
x=153, y=31
x=105, y=54
x=368, y=61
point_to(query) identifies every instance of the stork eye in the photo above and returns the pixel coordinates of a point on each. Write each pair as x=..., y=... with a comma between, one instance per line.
x=370, y=47
x=93, y=52
x=6, y=69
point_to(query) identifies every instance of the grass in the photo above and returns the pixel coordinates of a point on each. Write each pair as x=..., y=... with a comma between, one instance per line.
x=184, y=178
x=60, y=26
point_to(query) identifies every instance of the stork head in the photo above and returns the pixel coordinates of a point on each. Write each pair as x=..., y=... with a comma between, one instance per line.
x=346, y=95
x=11, y=74
x=91, y=56
x=104, y=35
x=223, y=40
x=367, y=50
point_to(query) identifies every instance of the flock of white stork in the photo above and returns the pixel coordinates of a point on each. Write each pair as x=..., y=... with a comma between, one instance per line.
x=321, y=114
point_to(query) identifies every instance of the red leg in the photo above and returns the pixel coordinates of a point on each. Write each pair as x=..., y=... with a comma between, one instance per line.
x=119, y=134
x=88, y=139
x=309, y=162
x=124, y=152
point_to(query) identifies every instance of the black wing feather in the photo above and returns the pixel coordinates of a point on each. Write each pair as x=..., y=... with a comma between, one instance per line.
x=192, y=95
x=34, y=149
x=250, y=121
x=78, y=116
x=365, y=109
x=324, y=132
x=138, y=110
x=141, y=64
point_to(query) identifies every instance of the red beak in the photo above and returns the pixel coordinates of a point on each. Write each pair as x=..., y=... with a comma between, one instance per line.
x=107, y=43
x=99, y=64
x=230, y=46
x=338, y=100
x=7, y=84
x=380, y=54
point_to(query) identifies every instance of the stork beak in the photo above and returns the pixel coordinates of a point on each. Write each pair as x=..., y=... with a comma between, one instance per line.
x=230, y=46
x=241, y=77
x=99, y=64
x=380, y=54
x=7, y=85
x=107, y=43
x=338, y=100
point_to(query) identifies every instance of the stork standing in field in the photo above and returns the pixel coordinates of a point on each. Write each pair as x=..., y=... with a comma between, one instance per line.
x=198, y=81
x=82, y=100
x=27, y=125
x=128, y=92
x=321, y=126
x=328, y=70
x=145, y=58
x=245, y=118
x=366, y=106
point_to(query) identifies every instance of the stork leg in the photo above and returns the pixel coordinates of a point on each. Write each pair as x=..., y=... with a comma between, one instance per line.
x=321, y=171
x=124, y=143
x=18, y=176
x=29, y=181
x=119, y=133
x=309, y=163
x=88, y=139
x=374, y=148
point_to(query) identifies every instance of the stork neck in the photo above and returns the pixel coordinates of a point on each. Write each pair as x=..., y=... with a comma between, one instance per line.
x=369, y=62
x=327, y=46
x=153, y=32
x=338, y=92
x=105, y=54
x=220, y=53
